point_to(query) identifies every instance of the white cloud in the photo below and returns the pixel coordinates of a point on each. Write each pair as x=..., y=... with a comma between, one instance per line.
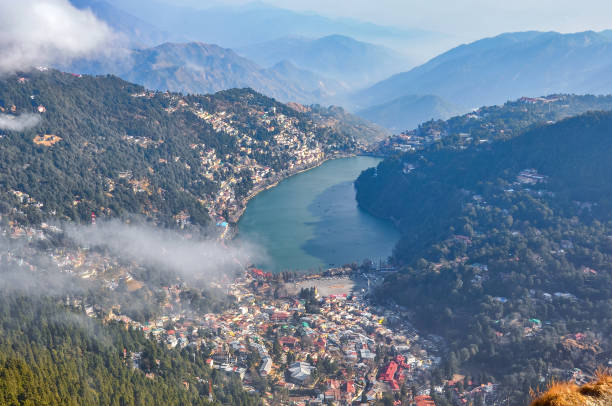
x=47, y=32
x=18, y=123
x=166, y=249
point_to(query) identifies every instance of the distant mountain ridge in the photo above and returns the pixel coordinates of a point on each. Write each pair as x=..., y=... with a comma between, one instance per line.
x=409, y=111
x=206, y=68
x=256, y=22
x=508, y=66
x=337, y=56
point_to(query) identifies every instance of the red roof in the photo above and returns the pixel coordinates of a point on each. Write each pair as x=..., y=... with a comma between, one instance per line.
x=424, y=400
x=389, y=372
x=260, y=273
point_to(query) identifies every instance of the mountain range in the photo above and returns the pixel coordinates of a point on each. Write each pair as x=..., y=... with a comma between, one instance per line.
x=508, y=66
x=335, y=68
x=336, y=56
x=206, y=68
x=196, y=67
x=256, y=22
x=290, y=69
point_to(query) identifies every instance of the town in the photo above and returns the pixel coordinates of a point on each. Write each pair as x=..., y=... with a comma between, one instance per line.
x=292, y=339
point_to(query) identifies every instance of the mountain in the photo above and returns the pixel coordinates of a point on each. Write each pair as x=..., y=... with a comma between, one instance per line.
x=135, y=31
x=257, y=22
x=493, y=70
x=108, y=146
x=206, y=68
x=337, y=56
x=508, y=242
x=409, y=111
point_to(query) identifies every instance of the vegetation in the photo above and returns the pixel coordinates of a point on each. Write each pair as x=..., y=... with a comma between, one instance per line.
x=126, y=151
x=511, y=266
x=598, y=392
x=50, y=355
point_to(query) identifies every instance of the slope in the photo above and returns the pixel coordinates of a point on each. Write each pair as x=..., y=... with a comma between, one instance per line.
x=340, y=57
x=205, y=68
x=108, y=146
x=505, y=250
x=508, y=66
x=407, y=112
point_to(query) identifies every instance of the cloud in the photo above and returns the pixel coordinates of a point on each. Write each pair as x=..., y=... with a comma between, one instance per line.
x=165, y=249
x=48, y=32
x=18, y=123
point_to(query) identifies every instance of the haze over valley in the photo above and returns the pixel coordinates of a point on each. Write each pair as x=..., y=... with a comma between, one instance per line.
x=284, y=202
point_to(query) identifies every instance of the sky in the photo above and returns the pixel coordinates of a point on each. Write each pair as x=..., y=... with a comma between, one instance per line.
x=466, y=19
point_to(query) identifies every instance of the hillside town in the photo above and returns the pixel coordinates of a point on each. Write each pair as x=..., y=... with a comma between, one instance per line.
x=270, y=144
x=284, y=340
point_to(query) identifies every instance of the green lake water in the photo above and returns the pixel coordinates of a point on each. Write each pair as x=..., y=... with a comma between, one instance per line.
x=311, y=221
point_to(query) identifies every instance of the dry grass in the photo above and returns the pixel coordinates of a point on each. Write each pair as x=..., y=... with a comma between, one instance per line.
x=597, y=393
x=47, y=140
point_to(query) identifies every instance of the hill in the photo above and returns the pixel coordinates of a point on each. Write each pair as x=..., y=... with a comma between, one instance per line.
x=493, y=123
x=108, y=146
x=409, y=111
x=507, y=244
x=205, y=68
x=493, y=70
x=339, y=57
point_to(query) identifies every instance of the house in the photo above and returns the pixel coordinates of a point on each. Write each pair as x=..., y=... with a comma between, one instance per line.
x=333, y=390
x=266, y=366
x=301, y=372
x=388, y=373
x=424, y=400
x=288, y=341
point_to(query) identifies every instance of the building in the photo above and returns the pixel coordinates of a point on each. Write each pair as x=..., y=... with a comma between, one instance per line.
x=266, y=366
x=424, y=400
x=301, y=372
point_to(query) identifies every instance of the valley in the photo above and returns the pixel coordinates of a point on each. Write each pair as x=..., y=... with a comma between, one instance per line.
x=299, y=203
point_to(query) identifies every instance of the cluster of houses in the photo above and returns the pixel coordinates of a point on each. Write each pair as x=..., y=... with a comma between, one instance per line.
x=298, y=147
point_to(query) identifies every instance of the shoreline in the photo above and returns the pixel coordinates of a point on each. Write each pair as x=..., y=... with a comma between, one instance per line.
x=238, y=215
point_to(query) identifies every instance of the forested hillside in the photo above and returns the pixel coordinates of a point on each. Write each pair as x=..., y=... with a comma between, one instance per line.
x=492, y=123
x=107, y=146
x=50, y=355
x=508, y=245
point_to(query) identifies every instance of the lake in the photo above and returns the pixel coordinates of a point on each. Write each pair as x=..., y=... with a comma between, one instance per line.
x=311, y=221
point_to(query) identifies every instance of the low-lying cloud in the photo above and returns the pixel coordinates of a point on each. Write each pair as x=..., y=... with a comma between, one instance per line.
x=48, y=32
x=18, y=123
x=166, y=249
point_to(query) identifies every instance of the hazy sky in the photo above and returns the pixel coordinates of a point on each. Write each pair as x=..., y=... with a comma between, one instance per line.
x=468, y=19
